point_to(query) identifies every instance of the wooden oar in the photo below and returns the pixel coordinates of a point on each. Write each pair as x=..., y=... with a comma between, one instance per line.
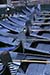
x=44, y=30
x=33, y=61
x=39, y=24
x=14, y=1
x=43, y=18
x=38, y=40
x=45, y=14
